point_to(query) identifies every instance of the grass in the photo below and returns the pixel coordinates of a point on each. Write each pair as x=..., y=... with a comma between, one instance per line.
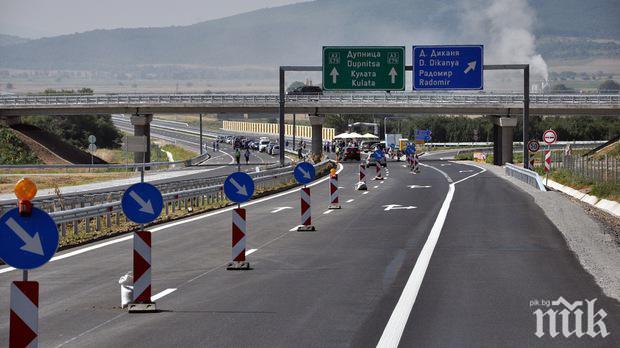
x=179, y=153
x=605, y=189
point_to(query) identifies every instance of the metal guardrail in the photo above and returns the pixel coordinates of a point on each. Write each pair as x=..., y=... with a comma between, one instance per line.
x=111, y=212
x=331, y=98
x=79, y=200
x=186, y=163
x=527, y=176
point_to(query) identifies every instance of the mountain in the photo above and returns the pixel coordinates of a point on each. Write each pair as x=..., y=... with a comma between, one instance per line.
x=294, y=34
x=7, y=40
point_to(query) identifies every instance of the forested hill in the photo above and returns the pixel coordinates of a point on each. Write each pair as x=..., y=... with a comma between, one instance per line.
x=295, y=33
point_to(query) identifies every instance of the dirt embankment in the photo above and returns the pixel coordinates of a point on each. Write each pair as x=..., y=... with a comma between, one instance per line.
x=49, y=148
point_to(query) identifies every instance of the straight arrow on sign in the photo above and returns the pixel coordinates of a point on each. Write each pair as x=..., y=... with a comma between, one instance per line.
x=393, y=75
x=334, y=74
x=145, y=207
x=31, y=244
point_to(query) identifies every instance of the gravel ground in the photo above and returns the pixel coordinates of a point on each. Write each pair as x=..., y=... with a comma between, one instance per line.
x=593, y=235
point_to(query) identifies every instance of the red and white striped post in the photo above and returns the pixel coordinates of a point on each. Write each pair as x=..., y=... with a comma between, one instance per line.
x=333, y=192
x=306, y=211
x=379, y=176
x=24, y=320
x=547, y=164
x=238, y=241
x=361, y=184
x=142, y=273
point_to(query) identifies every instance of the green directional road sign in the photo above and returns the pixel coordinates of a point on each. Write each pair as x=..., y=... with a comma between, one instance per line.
x=379, y=68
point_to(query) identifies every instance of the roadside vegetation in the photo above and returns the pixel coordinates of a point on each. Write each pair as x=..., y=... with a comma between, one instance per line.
x=13, y=150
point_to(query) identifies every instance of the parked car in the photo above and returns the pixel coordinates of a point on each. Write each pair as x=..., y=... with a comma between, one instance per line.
x=352, y=153
x=220, y=139
x=367, y=146
x=275, y=150
x=270, y=148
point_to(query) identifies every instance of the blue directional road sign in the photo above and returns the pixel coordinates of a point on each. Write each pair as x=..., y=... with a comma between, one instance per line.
x=27, y=242
x=378, y=154
x=239, y=187
x=142, y=203
x=448, y=67
x=304, y=173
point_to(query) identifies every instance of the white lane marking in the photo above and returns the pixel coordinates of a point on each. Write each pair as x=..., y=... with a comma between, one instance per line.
x=295, y=228
x=177, y=223
x=162, y=294
x=376, y=186
x=381, y=182
x=471, y=176
x=340, y=187
x=398, y=320
x=439, y=170
x=251, y=251
x=418, y=186
x=280, y=209
x=365, y=193
x=465, y=171
x=445, y=164
x=327, y=212
x=350, y=200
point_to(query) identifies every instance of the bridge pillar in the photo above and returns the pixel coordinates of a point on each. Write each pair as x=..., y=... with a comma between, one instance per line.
x=142, y=126
x=316, y=122
x=503, y=135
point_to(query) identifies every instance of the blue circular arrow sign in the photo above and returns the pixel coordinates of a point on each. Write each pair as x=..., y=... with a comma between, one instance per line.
x=142, y=203
x=27, y=242
x=304, y=173
x=239, y=187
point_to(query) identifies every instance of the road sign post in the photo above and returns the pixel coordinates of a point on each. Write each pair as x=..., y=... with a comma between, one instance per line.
x=304, y=174
x=533, y=146
x=380, y=68
x=28, y=240
x=239, y=188
x=448, y=67
x=549, y=137
x=142, y=203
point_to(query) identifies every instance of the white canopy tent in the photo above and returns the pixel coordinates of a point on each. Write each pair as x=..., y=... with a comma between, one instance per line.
x=352, y=135
x=369, y=136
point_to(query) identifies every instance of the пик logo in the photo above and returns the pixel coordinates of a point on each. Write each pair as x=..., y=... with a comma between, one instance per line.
x=571, y=318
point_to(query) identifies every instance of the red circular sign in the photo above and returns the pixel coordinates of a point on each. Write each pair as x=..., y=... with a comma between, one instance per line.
x=550, y=136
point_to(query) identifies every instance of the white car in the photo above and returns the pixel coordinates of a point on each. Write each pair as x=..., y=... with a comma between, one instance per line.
x=262, y=145
x=275, y=150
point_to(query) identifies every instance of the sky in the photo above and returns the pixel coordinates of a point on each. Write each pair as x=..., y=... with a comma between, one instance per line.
x=44, y=18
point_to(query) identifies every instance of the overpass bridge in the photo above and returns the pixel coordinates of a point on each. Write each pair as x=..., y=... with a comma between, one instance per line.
x=504, y=107
x=392, y=103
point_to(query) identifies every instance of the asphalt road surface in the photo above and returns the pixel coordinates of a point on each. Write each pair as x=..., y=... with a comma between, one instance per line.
x=452, y=256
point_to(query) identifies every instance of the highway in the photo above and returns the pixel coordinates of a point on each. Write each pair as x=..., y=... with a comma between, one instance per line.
x=452, y=256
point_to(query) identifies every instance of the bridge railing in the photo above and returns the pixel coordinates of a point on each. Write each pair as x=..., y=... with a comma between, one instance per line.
x=340, y=98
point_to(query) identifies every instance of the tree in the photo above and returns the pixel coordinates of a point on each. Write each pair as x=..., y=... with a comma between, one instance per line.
x=561, y=88
x=9, y=86
x=295, y=85
x=610, y=86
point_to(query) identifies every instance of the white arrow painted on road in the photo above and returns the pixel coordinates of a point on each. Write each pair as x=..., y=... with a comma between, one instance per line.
x=280, y=209
x=145, y=207
x=445, y=164
x=470, y=66
x=418, y=186
x=465, y=171
x=393, y=74
x=334, y=74
x=397, y=207
x=304, y=173
x=240, y=188
x=31, y=244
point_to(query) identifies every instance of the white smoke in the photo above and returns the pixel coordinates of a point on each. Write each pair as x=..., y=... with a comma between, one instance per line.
x=505, y=27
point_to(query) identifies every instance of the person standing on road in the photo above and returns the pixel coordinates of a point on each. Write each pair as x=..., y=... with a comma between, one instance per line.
x=299, y=154
x=217, y=146
x=237, y=155
x=247, y=156
x=214, y=146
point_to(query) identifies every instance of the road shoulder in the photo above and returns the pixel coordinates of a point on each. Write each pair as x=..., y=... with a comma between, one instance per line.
x=588, y=235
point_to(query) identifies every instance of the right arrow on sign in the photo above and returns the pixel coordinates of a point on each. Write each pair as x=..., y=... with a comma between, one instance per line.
x=334, y=74
x=393, y=75
x=470, y=66
x=31, y=244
